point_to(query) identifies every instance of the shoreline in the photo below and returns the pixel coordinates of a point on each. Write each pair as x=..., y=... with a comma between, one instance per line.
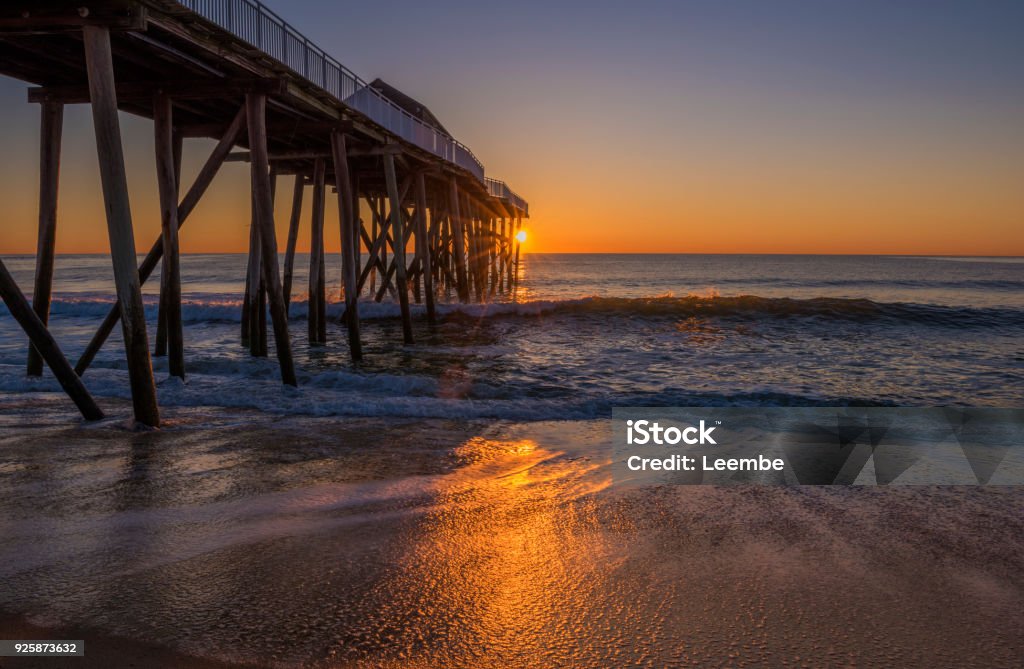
x=286, y=542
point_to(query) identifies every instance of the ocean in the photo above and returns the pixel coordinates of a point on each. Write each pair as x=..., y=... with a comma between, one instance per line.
x=585, y=333
x=451, y=503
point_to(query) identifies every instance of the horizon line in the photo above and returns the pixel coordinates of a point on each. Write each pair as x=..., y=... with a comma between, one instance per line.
x=600, y=253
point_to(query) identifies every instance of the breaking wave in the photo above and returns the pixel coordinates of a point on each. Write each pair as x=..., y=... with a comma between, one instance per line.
x=733, y=307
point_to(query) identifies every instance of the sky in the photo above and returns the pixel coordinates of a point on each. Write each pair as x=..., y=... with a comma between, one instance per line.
x=691, y=127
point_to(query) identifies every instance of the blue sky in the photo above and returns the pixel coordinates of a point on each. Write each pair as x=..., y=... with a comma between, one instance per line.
x=813, y=126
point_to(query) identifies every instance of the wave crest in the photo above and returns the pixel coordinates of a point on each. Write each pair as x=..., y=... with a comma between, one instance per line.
x=755, y=307
x=752, y=307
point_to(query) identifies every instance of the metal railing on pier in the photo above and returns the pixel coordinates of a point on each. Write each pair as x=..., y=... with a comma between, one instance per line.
x=262, y=28
x=500, y=189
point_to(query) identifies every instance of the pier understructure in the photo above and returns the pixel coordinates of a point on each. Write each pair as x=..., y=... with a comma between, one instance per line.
x=418, y=219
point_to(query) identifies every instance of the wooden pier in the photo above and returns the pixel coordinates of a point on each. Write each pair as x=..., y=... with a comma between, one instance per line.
x=418, y=219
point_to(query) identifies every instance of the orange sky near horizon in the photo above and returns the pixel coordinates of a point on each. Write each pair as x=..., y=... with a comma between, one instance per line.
x=803, y=173
x=896, y=198
x=689, y=127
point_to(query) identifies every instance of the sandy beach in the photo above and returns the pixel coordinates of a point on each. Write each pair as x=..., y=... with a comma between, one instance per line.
x=285, y=542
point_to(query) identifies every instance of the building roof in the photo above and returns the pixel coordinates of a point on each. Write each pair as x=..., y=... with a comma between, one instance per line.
x=414, y=107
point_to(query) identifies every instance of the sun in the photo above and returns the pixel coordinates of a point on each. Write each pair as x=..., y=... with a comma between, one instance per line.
x=521, y=236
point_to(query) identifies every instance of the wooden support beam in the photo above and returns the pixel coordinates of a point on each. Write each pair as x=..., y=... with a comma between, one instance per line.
x=317, y=285
x=398, y=234
x=379, y=251
x=413, y=269
x=100, y=67
x=509, y=263
x=477, y=245
x=143, y=91
x=496, y=248
x=442, y=242
x=356, y=230
x=254, y=306
x=178, y=149
x=378, y=247
x=185, y=207
x=256, y=107
x=484, y=204
x=197, y=67
x=423, y=247
x=349, y=249
x=51, y=126
x=259, y=323
x=374, y=263
x=49, y=18
x=502, y=250
x=293, y=235
x=370, y=239
x=487, y=254
x=515, y=266
x=371, y=253
x=170, y=272
x=473, y=242
x=474, y=274
x=386, y=150
x=485, y=244
x=263, y=284
x=442, y=247
x=303, y=154
x=160, y=348
x=497, y=207
x=481, y=251
x=245, y=328
x=459, y=238
x=258, y=295
x=385, y=281
x=44, y=343
x=434, y=220
x=289, y=127
x=384, y=232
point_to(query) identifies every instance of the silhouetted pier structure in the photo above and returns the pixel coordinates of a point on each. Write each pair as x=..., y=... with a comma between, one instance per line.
x=418, y=218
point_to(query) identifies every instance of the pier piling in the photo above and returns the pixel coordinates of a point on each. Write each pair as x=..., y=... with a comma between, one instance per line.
x=423, y=247
x=398, y=247
x=317, y=286
x=51, y=127
x=45, y=345
x=349, y=243
x=185, y=207
x=103, y=95
x=256, y=107
x=460, y=243
x=293, y=236
x=170, y=270
x=160, y=347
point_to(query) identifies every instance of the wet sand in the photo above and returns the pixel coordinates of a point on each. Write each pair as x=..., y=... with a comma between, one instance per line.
x=285, y=542
x=102, y=650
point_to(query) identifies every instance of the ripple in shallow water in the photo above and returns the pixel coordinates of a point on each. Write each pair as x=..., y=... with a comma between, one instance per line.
x=326, y=543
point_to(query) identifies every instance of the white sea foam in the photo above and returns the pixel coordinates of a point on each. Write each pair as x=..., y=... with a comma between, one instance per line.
x=788, y=331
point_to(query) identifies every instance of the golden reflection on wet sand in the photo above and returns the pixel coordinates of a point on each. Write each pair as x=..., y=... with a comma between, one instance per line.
x=310, y=542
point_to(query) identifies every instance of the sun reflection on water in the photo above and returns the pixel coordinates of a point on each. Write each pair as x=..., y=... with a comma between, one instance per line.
x=499, y=556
